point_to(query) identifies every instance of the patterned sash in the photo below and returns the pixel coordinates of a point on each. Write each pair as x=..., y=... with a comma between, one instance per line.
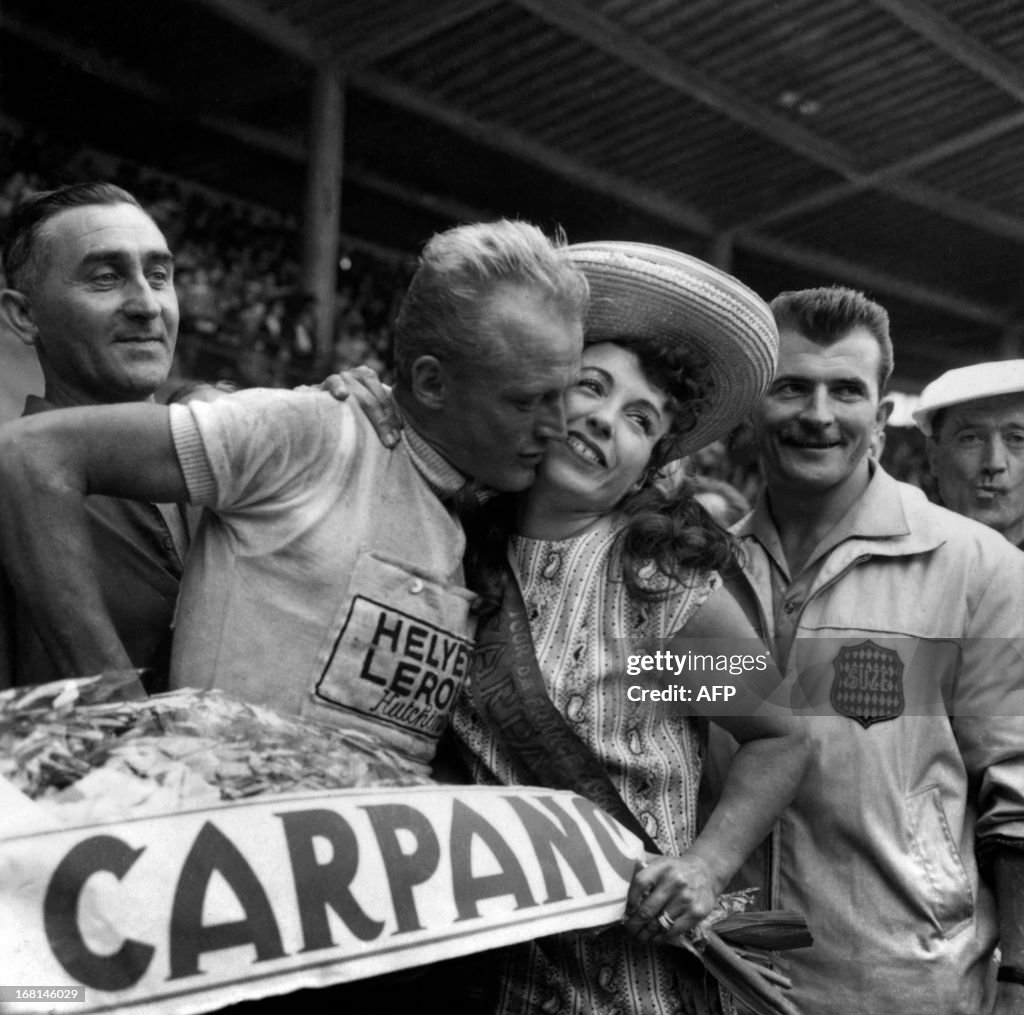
x=509, y=694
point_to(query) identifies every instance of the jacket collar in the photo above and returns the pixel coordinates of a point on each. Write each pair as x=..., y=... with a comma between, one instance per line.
x=893, y=518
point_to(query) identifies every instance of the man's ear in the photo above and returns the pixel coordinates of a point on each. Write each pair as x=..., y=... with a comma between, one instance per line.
x=16, y=313
x=430, y=383
x=884, y=411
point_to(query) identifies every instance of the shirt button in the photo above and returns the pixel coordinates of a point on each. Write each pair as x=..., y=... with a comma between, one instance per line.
x=416, y=587
x=789, y=607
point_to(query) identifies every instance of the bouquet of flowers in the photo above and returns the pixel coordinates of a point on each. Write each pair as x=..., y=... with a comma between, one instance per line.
x=734, y=946
x=98, y=747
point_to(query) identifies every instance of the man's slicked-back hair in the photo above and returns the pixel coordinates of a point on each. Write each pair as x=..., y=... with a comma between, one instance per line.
x=23, y=255
x=828, y=314
x=460, y=269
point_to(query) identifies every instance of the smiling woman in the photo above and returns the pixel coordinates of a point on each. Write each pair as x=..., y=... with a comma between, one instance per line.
x=615, y=417
x=592, y=562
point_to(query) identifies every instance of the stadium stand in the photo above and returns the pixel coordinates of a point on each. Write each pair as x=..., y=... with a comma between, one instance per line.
x=244, y=316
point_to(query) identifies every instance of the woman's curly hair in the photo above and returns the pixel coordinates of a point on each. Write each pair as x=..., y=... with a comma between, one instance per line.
x=675, y=534
x=665, y=527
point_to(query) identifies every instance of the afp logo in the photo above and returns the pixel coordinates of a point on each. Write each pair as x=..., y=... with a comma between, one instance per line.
x=868, y=683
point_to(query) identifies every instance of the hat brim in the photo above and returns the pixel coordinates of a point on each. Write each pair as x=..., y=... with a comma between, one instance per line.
x=980, y=382
x=657, y=295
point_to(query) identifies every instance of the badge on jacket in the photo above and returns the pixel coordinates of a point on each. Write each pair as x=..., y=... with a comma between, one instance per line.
x=868, y=683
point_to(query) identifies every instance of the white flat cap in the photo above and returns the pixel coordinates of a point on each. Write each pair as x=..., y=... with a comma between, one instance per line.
x=968, y=384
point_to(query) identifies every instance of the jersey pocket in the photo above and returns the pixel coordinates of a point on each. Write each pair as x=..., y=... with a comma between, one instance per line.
x=399, y=653
x=945, y=886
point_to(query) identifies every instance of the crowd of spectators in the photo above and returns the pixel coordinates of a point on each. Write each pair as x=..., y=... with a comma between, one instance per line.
x=244, y=314
x=245, y=318
x=905, y=459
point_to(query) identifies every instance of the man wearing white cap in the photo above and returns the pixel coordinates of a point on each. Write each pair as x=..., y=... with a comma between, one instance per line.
x=897, y=626
x=973, y=418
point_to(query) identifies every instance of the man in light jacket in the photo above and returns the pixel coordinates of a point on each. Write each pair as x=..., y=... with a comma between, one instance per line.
x=897, y=626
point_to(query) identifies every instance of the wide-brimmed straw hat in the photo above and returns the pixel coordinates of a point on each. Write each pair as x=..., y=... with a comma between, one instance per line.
x=653, y=294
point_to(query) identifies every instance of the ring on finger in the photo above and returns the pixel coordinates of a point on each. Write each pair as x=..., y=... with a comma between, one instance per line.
x=665, y=921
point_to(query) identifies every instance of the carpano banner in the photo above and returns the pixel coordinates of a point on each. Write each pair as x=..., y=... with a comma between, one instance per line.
x=189, y=911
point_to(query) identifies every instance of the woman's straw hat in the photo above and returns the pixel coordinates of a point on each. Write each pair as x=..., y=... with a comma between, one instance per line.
x=648, y=293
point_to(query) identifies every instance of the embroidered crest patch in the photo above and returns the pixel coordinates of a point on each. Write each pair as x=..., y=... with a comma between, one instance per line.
x=868, y=683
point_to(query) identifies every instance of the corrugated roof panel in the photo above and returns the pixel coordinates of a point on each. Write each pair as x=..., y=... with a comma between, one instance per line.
x=601, y=113
x=733, y=172
x=483, y=52
x=999, y=24
x=606, y=111
x=893, y=236
x=789, y=86
x=915, y=130
x=536, y=69
x=925, y=342
x=361, y=20
x=992, y=173
x=533, y=107
x=845, y=70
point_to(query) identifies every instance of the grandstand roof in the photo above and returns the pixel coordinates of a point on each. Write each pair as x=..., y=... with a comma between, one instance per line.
x=878, y=143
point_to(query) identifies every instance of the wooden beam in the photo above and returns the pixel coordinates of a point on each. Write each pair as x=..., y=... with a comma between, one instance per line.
x=572, y=17
x=577, y=20
x=258, y=138
x=522, y=147
x=952, y=146
x=841, y=191
x=86, y=58
x=431, y=19
x=234, y=89
x=314, y=47
x=273, y=29
x=321, y=216
x=680, y=216
x=297, y=152
x=673, y=213
x=927, y=22
x=226, y=92
x=851, y=272
x=971, y=213
x=940, y=202
x=444, y=207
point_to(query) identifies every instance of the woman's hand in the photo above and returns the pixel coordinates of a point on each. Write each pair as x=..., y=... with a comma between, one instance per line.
x=374, y=398
x=668, y=895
